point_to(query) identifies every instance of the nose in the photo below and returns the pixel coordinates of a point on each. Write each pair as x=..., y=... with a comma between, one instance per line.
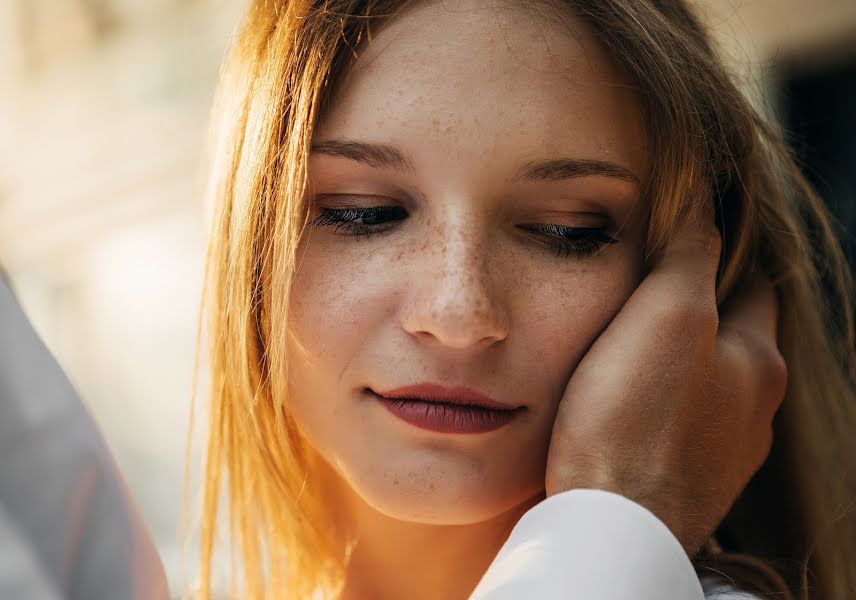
x=453, y=297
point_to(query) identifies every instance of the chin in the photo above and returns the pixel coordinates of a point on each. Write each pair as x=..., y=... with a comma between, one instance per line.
x=439, y=501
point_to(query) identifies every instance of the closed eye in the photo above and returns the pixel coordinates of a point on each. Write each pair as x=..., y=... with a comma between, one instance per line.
x=578, y=242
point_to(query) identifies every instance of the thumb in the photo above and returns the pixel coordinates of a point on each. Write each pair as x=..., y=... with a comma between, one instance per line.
x=671, y=318
x=690, y=259
x=680, y=288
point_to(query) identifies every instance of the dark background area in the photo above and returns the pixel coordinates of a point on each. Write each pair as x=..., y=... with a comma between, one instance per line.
x=817, y=105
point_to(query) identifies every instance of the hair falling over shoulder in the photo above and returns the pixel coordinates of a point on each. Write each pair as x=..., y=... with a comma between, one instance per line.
x=791, y=534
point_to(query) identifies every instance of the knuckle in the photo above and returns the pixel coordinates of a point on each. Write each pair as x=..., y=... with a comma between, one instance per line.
x=709, y=315
x=691, y=311
x=765, y=445
x=707, y=242
x=774, y=377
x=776, y=369
x=703, y=235
x=712, y=241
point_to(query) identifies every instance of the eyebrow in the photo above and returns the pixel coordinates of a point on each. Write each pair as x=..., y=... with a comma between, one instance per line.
x=383, y=156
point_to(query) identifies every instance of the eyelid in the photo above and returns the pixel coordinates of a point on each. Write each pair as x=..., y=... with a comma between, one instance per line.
x=346, y=197
x=583, y=219
x=356, y=200
x=602, y=223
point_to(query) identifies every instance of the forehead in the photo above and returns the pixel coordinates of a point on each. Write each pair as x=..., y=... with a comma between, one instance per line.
x=461, y=85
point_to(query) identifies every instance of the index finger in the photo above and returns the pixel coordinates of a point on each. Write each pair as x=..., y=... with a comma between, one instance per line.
x=754, y=308
x=690, y=259
x=747, y=341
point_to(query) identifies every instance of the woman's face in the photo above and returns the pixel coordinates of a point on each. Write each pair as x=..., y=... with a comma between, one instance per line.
x=507, y=131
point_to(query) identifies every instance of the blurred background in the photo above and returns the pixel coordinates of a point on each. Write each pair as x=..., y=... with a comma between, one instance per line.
x=103, y=109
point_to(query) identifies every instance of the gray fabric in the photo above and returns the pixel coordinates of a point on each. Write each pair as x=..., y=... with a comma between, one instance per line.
x=66, y=518
x=21, y=573
x=716, y=589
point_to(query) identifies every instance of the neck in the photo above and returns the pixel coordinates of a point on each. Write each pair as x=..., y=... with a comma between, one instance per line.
x=396, y=559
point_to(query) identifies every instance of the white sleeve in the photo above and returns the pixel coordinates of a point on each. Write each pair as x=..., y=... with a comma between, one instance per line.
x=67, y=519
x=719, y=590
x=586, y=543
x=21, y=573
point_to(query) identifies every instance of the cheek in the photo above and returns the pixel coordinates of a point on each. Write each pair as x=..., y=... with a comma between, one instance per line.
x=335, y=312
x=328, y=319
x=567, y=315
x=345, y=311
x=331, y=311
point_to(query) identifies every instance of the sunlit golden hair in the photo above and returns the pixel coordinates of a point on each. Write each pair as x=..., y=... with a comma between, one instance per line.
x=706, y=142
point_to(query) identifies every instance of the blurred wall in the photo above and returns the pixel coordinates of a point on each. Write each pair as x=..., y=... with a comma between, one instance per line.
x=103, y=105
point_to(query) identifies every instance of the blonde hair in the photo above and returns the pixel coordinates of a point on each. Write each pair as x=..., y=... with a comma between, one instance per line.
x=706, y=142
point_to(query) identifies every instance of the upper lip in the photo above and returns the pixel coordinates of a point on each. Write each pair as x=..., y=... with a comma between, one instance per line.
x=433, y=392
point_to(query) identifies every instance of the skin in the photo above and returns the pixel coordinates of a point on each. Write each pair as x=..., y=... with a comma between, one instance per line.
x=673, y=406
x=459, y=292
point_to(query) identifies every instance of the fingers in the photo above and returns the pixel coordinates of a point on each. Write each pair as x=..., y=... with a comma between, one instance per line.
x=671, y=317
x=747, y=342
x=753, y=308
x=678, y=296
x=692, y=253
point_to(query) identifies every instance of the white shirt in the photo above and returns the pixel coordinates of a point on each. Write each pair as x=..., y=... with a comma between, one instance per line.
x=587, y=543
x=70, y=530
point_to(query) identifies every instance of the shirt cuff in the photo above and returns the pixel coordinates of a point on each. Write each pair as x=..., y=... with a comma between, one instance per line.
x=587, y=543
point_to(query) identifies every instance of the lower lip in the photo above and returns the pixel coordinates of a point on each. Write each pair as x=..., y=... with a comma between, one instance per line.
x=447, y=418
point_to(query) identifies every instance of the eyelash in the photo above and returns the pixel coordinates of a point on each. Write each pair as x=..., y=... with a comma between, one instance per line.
x=580, y=242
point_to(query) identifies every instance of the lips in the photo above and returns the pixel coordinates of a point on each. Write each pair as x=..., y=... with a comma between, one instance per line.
x=447, y=410
x=430, y=392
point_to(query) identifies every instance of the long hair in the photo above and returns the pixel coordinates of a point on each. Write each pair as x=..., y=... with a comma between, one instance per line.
x=787, y=534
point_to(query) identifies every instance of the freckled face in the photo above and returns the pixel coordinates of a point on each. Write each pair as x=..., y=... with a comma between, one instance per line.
x=479, y=269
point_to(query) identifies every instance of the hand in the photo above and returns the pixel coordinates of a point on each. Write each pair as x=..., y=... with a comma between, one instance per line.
x=672, y=407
